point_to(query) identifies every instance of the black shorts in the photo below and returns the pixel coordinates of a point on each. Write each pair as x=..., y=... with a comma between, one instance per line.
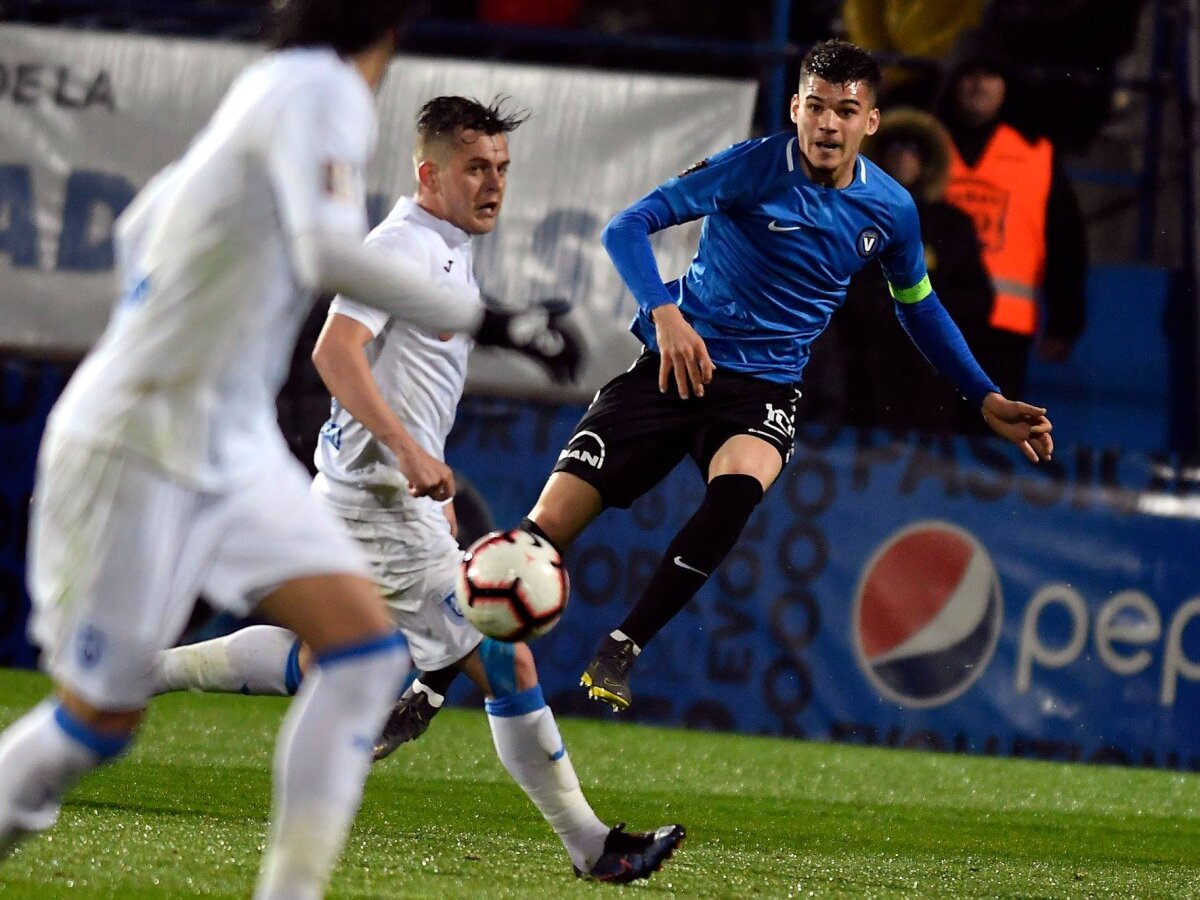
x=632, y=436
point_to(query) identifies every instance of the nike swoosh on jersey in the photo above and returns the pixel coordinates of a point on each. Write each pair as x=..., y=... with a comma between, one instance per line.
x=771, y=226
x=679, y=562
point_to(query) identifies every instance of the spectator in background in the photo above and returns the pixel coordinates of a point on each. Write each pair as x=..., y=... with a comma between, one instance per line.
x=1068, y=54
x=1025, y=212
x=919, y=29
x=888, y=382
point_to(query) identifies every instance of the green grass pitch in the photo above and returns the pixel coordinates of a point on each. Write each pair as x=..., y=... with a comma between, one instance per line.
x=185, y=814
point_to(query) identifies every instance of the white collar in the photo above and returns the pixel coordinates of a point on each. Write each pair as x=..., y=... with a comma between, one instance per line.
x=453, y=235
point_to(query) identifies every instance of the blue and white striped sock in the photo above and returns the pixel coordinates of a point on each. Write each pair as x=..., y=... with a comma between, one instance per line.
x=42, y=755
x=321, y=761
x=530, y=747
x=259, y=660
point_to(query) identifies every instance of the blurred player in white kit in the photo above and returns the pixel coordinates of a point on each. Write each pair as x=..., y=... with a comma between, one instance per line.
x=162, y=471
x=381, y=463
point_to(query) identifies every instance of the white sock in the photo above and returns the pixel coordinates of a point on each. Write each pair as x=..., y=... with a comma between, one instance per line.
x=42, y=755
x=321, y=760
x=260, y=659
x=531, y=749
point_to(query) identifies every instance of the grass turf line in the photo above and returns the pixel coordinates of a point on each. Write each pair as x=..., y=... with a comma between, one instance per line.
x=185, y=815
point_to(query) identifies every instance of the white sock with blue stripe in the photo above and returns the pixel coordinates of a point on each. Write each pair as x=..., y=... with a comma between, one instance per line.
x=321, y=761
x=42, y=755
x=531, y=749
x=257, y=660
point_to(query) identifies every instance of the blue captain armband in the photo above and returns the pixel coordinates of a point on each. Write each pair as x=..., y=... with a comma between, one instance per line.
x=938, y=338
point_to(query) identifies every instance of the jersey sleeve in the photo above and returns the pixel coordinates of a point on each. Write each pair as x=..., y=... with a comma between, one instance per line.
x=369, y=317
x=903, y=260
x=396, y=243
x=315, y=149
x=723, y=182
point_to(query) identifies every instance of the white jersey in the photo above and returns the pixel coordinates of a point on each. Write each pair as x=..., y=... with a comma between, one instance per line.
x=187, y=372
x=420, y=375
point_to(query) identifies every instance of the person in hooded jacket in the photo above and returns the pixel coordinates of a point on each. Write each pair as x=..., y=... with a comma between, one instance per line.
x=1012, y=184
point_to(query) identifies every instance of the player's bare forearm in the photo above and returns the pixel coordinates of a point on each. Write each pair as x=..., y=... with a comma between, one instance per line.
x=1021, y=423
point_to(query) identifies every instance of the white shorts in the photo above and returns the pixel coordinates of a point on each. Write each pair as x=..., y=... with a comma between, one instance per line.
x=420, y=594
x=119, y=552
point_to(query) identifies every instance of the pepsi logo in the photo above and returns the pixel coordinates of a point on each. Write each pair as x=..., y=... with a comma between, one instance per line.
x=927, y=614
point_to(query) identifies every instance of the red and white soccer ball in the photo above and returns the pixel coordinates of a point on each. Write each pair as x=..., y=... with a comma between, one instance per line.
x=512, y=585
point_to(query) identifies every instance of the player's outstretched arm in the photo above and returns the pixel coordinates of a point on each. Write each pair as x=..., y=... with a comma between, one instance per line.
x=1021, y=423
x=938, y=338
x=336, y=263
x=544, y=336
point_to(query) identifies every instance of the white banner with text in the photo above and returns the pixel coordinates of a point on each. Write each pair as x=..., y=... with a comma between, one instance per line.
x=89, y=117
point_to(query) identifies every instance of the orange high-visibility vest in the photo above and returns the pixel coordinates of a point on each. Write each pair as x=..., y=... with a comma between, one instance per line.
x=1005, y=193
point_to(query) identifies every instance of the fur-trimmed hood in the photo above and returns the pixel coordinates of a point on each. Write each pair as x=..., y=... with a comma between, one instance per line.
x=922, y=129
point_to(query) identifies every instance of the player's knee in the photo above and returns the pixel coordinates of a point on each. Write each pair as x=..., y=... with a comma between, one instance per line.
x=367, y=669
x=524, y=669
x=567, y=505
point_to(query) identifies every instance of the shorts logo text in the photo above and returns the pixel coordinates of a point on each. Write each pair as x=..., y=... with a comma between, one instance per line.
x=780, y=419
x=587, y=447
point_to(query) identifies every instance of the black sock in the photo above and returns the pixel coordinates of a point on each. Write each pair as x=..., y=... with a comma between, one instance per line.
x=527, y=524
x=694, y=554
x=439, y=680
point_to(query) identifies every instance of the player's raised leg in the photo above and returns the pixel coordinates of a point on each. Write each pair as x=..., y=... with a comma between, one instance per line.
x=740, y=472
x=324, y=746
x=566, y=506
x=257, y=660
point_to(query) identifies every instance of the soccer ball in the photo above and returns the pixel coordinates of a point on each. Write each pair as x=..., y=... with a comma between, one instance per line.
x=512, y=586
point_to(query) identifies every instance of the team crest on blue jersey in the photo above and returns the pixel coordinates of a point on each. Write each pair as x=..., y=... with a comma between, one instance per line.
x=867, y=243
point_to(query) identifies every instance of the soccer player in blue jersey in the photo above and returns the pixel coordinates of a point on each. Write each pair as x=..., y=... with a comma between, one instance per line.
x=787, y=220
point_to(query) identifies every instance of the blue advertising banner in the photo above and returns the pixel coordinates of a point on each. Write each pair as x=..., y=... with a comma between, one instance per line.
x=27, y=391
x=939, y=593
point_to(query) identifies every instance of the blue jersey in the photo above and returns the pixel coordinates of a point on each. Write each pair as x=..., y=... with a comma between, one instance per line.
x=777, y=251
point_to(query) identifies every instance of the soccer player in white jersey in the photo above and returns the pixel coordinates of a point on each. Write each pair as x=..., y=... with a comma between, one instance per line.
x=381, y=462
x=162, y=472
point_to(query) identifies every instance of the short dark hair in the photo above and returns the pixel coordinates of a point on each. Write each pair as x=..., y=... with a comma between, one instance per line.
x=347, y=26
x=445, y=117
x=839, y=62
